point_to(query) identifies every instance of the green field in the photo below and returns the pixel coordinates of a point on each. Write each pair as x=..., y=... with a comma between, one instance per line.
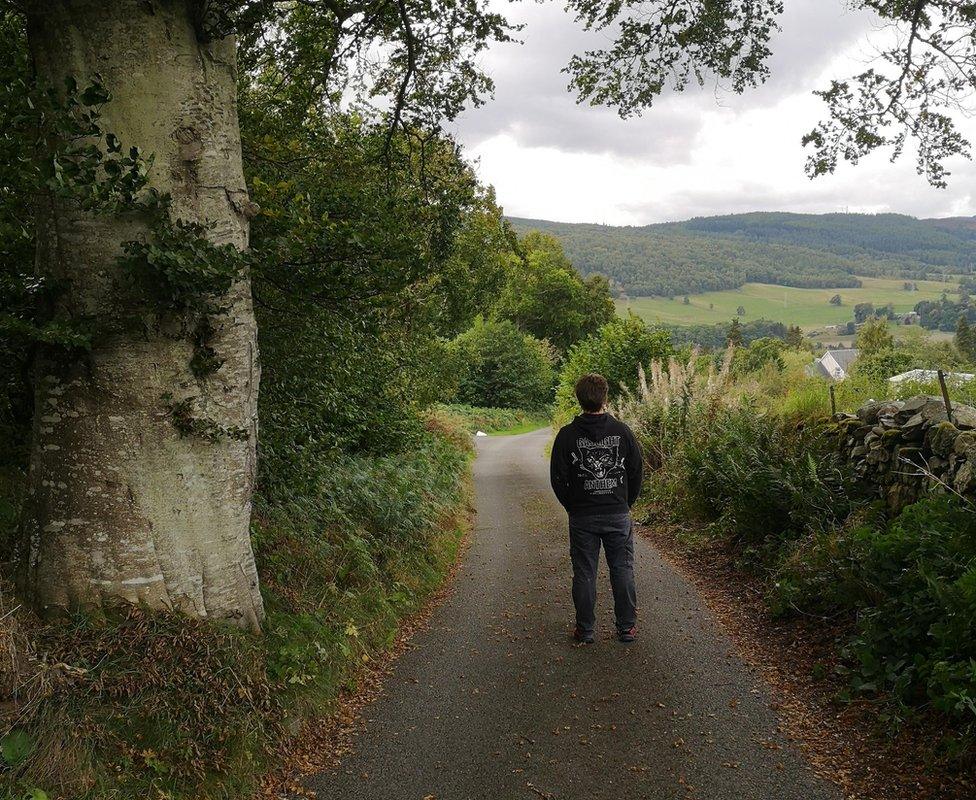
x=808, y=308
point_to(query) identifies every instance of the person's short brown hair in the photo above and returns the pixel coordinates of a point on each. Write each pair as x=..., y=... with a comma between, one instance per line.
x=591, y=391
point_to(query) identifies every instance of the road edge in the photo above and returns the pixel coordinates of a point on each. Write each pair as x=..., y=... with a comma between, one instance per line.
x=842, y=743
x=323, y=741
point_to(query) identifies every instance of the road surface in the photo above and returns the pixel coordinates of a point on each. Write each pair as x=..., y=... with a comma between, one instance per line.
x=495, y=701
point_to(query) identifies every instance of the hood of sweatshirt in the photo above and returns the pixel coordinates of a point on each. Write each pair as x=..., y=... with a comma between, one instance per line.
x=594, y=427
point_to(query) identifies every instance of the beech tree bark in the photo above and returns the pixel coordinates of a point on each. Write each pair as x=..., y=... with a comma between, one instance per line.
x=122, y=505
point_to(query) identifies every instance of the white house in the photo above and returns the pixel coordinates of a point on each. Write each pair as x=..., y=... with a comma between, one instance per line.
x=835, y=364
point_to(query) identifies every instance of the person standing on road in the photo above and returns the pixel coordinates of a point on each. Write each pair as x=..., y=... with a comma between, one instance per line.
x=596, y=471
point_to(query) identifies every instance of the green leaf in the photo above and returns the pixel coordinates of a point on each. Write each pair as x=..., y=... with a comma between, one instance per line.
x=15, y=747
x=95, y=95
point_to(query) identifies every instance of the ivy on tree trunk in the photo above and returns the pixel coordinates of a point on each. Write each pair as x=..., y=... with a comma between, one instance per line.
x=125, y=501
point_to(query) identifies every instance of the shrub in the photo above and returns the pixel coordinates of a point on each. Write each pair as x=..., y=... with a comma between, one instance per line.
x=616, y=352
x=340, y=564
x=856, y=390
x=911, y=582
x=874, y=336
x=659, y=411
x=503, y=367
x=809, y=399
x=761, y=478
x=918, y=641
x=751, y=454
x=820, y=574
x=882, y=364
x=767, y=351
x=765, y=482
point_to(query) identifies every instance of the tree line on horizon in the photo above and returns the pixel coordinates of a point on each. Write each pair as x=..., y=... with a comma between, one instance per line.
x=804, y=251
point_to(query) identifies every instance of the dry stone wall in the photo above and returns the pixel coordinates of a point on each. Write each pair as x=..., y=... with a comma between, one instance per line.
x=906, y=449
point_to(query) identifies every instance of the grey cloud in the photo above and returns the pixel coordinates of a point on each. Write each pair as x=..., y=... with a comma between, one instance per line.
x=533, y=106
x=881, y=189
x=545, y=121
x=813, y=32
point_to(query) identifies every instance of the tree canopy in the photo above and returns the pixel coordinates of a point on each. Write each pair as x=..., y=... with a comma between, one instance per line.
x=921, y=77
x=874, y=336
x=503, y=367
x=545, y=295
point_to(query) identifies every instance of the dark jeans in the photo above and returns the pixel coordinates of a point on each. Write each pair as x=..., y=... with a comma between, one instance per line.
x=616, y=533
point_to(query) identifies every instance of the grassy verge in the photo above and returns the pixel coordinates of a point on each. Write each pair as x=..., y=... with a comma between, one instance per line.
x=151, y=705
x=497, y=421
x=525, y=427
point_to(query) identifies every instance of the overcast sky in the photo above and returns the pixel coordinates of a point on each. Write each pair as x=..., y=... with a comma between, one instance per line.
x=697, y=153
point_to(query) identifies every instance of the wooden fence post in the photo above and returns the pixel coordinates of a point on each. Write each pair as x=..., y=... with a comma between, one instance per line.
x=945, y=394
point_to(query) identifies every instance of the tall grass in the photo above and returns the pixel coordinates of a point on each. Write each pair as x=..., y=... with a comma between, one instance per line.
x=730, y=458
x=667, y=396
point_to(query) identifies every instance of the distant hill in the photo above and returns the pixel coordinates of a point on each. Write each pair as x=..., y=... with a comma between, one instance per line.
x=803, y=250
x=961, y=225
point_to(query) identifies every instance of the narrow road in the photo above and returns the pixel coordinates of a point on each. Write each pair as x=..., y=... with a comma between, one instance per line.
x=495, y=701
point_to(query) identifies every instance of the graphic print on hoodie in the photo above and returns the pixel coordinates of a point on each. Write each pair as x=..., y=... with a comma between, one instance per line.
x=596, y=466
x=602, y=461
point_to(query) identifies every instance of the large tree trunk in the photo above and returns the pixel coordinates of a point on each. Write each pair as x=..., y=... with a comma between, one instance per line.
x=121, y=504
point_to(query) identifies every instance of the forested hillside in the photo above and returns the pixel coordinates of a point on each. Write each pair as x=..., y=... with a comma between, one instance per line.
x=803, y=250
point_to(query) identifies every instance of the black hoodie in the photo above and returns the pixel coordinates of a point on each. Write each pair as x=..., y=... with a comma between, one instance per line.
x=596, y=466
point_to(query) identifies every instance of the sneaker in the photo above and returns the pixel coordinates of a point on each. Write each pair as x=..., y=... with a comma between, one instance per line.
x=628, y=634
x=581, y=637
